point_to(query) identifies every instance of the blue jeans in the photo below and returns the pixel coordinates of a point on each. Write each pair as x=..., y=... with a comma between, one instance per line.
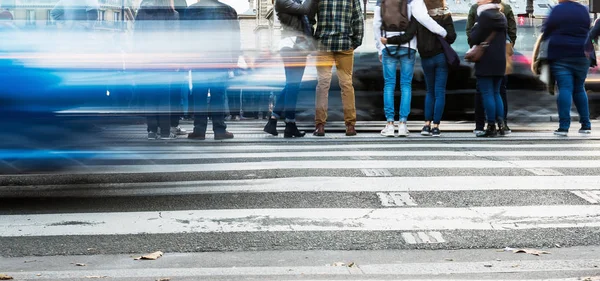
x=436, y=74
x=285, y=104
x=492, y=101
x=570, y=75
x=479, y=110
x=406, y=58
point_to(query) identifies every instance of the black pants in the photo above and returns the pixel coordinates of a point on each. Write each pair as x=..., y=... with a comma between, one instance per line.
x=480, y=111
x=233, y=97
x=215, y=82
x=158, y=107
x=178, y=89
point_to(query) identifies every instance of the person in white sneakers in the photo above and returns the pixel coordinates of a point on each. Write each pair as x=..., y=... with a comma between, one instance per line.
x=390, y=22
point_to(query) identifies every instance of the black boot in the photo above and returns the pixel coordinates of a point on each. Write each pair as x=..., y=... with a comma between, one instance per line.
x=271, y=127
x=291, y=131
x=490, y=132
x=501, y=128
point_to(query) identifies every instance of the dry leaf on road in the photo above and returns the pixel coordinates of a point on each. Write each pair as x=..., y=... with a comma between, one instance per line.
x=153, y=256
x=164, y=279
x=531, y=251
x=79, y=264
x=96, y=277
x=338, y=264
x=5, y=277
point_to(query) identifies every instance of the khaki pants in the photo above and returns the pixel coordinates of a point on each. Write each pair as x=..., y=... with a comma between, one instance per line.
x=344, y=62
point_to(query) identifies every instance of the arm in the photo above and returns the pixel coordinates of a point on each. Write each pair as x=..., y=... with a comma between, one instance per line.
x=511, y=22
x=358, y=25
x=410, y=33
x=449, y=26
x=419, y=12
x=595, y=32
x=550, y=24
x=470, y=23
x=293, y=8
x=479, y=32
x=377, y=28
x=236, y=39
x=58, y=11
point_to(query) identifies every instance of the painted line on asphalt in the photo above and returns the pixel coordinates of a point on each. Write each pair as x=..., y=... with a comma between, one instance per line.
x=396, y=199
x=432, y=237
x=592, y=196
x=376, y=172
x=545, y=172
x=301, y=220
x=332, y=164
x=309, y=184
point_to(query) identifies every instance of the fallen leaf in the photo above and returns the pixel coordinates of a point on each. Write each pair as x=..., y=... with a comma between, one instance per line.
x=153, y=256
x=487, y=265
x=80, y=264
x=531, y=251
x=164, y=279
x=30, y=261
x=351, y=264
x=5, y=277
x=449, y=259
x=516, y=265
x=338, y=264
x=96, y=277
x=39, y=274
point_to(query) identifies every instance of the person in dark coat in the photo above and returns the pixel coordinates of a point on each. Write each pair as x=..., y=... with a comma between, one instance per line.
x=155, y=26
x=569, y=63
x=296, y=42
x=490, y=30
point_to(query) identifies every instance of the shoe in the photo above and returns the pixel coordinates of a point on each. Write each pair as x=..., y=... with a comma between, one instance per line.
x=507, y=130
x=389, y=131
x=197, y=136
x=490, y=132
x=319, y=130
x=478, y=131
x=291, y=131
x=271, y=127
x=562, y=132
x=152, y=136
x=501, y=131
x=223, y=136
x=178, y=131
x=350, y=130
x=436, y=132
x=171, y=136
x=403, y=130
x=426, y=131
x=585, y=130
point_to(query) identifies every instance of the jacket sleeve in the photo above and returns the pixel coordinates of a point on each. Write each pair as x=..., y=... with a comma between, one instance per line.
x=419, y=12
x=58, y=11
x=470, y=23
x=236, y=40
x=408, y=35
x=479, y=32
x=377, y=28
x=449, y=26
x=595, y=32
x=511, y=22
x=358, y=25
x=293, y=8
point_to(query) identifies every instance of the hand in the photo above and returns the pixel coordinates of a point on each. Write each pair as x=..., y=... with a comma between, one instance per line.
x=383, y=40
x=380, y=58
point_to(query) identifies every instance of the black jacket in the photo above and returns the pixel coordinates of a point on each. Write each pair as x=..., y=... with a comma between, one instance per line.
x=290, y=14
x=154, y=26
x=493, y=61
x=428, y=43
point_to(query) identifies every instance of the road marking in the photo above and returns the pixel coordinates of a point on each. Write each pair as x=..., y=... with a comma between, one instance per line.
x=395, y=199
x=309, y=184
x=331, y=164
x=301, y=220
x=545, y=172
x=592, y=196
x=423, y=237
x=376, y=172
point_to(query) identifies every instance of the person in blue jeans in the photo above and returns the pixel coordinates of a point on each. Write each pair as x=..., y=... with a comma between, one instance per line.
x=569, y=63
x=490, y=31
x=404, y=54
x=434, y=63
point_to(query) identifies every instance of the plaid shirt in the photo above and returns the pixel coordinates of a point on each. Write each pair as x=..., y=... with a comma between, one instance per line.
x=340, y=25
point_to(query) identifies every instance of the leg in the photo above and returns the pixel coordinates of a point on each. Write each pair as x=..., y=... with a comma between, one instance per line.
x=498, y=100
x=200, y=97
x=345, y=65
x=164, y=104
x=150, y=107
x=441, y=77
x=324, y=65
x=217, y=104
x=565, y=81
x=580, y=97
x=486, y=86
x=479, y=109
x=389, y=65
x=407, y=67
x=175, y=99
x=429, y=70
x=294, y=71
x=504, y=97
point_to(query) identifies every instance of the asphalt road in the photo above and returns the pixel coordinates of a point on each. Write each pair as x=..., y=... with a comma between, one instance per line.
x=268, y=208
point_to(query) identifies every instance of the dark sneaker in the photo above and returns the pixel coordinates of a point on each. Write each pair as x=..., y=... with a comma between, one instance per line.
x=197, y=136
x=585, y=130
x=426, y=131
x=170, y=136
x=507, y=130
x=562, y=132
x=490, y=132
x=501, y=131
x=223, y=136
x=436, y=132
x=152, y=136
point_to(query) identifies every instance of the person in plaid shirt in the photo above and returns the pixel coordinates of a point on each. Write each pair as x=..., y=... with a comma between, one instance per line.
x=340, y=30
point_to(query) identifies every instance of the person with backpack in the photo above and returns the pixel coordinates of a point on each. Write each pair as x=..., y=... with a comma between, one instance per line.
x=568, y=54
x=511, y=33
x=489, y=36
x=392, y=18
x=433, y=61
x=340, y=30
x=295, y=45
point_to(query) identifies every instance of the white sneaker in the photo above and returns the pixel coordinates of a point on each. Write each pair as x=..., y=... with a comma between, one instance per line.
x=389, y=131
x=178, y=131
x=403, y=130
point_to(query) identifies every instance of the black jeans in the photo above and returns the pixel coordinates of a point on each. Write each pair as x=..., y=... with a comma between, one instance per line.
x=178, y=89
x=214, y=81
x=286, y=102
x=480, y=111
x=157, y=105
